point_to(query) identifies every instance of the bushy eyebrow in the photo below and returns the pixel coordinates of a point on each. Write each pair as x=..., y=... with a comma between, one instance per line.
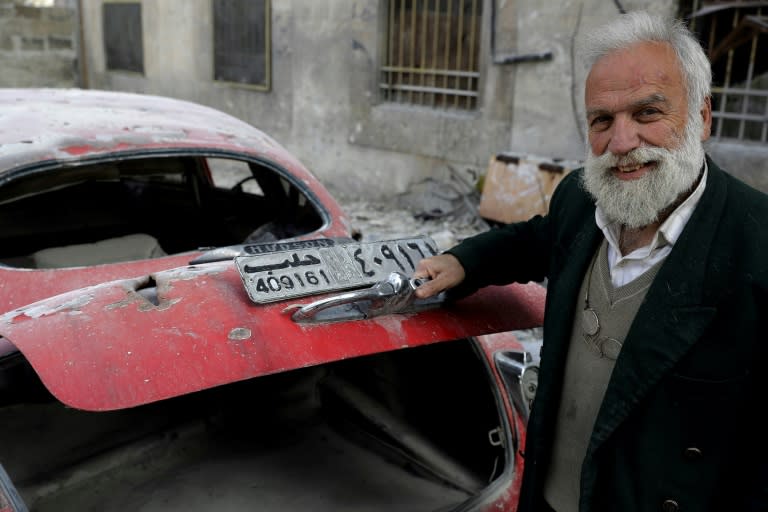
x=653, y=99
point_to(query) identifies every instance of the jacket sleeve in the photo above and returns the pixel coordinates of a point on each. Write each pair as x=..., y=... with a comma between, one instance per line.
x=512, y=253
x=520, y=252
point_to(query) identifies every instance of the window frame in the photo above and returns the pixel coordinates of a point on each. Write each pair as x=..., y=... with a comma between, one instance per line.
x=266, y=84
x=732, y=56
x=392, y=91
x=117, y=37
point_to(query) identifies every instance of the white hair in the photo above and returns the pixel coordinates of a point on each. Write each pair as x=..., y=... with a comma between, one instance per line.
x=637, y=27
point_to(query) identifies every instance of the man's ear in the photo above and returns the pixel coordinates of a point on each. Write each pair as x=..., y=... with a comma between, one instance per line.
x=706, y=115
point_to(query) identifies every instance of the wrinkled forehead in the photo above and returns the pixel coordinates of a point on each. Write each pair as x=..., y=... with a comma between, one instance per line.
x=650, y=67
x=653, y=59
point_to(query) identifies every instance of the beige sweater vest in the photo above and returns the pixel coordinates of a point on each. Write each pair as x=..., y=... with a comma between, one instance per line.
x=587, y=372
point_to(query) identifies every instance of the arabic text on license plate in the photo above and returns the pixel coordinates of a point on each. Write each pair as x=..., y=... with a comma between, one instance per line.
x=286, y=274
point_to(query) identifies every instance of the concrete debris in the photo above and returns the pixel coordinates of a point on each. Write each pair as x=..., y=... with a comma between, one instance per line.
x=444, y=211
x=515, y=187
x=432, y=199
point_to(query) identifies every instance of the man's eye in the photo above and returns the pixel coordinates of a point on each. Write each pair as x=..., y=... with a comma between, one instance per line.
x=599, y=122
x=648, y=112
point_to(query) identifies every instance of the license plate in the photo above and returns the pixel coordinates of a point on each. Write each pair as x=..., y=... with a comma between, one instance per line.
x=288, y=274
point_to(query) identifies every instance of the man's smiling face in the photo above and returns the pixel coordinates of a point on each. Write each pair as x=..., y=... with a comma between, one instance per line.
x=645, y=149
x=635, y=97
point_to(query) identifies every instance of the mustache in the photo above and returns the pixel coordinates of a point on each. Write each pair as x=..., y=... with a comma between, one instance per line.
x=637, y=156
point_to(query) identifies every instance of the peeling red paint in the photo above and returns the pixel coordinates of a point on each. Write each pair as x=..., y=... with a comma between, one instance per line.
x=86, y=149
x=78, y=150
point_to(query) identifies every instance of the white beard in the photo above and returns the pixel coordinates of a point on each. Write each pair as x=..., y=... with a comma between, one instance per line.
x=638, y=203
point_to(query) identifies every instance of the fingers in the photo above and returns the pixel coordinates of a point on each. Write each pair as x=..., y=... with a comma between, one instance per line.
x=443, y=271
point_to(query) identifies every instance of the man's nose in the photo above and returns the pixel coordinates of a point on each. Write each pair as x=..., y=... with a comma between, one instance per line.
x=624, y=136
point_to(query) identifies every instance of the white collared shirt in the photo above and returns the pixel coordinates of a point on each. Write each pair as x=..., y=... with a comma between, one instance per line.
x=625, y=269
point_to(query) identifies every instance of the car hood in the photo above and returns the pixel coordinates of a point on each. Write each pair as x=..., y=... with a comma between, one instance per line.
x=129, y=342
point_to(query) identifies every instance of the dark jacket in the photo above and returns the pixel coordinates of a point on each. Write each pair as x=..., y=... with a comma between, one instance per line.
x=681, y=426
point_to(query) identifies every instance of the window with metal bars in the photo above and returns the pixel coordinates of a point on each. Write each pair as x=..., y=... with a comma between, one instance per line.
x=432, y=53
x=735, y=36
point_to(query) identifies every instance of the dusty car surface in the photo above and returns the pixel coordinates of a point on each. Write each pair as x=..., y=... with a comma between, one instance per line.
x=187, y=323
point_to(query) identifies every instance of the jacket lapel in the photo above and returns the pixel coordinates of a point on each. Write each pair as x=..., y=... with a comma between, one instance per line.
x=671, y=318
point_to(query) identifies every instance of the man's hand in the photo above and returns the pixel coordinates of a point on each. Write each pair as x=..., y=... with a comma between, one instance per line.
x=444, y=271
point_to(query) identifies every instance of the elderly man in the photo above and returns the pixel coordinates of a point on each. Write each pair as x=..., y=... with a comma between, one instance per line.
x=653, y=364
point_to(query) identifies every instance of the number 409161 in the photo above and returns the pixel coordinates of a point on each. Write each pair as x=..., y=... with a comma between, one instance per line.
x=290, y=281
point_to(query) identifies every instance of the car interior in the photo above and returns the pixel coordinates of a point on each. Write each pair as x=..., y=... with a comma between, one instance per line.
x=426, y=421
x=146, y=207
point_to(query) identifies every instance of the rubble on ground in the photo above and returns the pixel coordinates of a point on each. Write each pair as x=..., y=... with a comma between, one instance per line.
x=444, y=211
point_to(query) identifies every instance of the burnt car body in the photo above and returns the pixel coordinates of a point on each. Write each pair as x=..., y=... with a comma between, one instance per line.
x=137, y=371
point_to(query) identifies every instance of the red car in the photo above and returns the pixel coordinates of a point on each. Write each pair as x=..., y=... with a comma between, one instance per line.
x=186, y=323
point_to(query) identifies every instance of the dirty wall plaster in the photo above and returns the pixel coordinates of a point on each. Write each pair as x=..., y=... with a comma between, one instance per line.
x=37, y=46
x=324, y=104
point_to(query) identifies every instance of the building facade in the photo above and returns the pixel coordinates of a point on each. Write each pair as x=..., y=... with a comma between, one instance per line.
x=375, y=95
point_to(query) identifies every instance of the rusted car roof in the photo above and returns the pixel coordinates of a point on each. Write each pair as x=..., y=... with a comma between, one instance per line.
x=37, y=125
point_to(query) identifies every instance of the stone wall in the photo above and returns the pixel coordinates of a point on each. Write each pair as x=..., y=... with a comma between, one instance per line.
x=37, y=46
